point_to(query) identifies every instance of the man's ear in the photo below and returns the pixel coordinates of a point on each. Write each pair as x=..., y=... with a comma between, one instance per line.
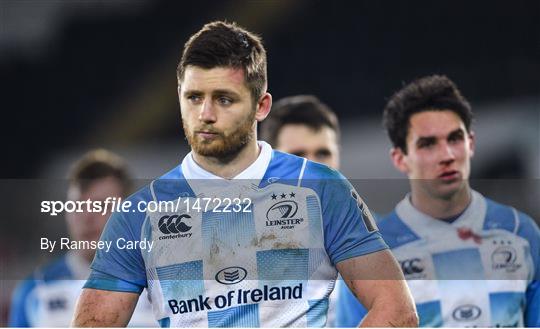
x=472, y=142
x=399, y=159
x=263, y=107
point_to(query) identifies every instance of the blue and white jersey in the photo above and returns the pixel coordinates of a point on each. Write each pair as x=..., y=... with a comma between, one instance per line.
x=271, y=264
x=482, y=270
x=48, y=297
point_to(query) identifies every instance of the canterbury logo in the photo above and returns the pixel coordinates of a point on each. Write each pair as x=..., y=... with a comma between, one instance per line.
x=411, y=266
x=173, y=224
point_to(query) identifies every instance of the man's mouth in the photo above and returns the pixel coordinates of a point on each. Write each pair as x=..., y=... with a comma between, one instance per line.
x=449, y=175
x=206, y=134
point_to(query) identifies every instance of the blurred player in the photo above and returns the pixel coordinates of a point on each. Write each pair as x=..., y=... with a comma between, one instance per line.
x=469, y=261
x=269, y=257
x=302, y=125
x=48, y=297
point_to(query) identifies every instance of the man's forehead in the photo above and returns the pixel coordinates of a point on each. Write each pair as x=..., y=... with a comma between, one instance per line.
x=303, y=136
x=434, y=124
x=215, y=78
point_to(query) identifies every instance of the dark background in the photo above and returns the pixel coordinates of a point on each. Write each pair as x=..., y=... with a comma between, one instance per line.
x=80, y=74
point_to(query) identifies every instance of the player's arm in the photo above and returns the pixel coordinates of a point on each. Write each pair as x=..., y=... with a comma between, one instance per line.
x=376, y=280
x=103, y=308
x=117, y=278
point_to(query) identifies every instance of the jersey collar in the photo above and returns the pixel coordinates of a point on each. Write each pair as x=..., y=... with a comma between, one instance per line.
x=427, y=226
x=255, y=172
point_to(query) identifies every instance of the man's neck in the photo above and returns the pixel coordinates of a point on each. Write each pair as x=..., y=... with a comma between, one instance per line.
x=441, y=208
x=230, y=167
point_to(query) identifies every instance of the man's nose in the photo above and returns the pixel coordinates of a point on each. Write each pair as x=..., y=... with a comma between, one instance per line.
x=208, y=113
x=448, y=155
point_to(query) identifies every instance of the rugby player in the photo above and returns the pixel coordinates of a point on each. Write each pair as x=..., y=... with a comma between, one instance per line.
x=48, y=297
x=469, y=261
x=303, y=125
x=269, y=260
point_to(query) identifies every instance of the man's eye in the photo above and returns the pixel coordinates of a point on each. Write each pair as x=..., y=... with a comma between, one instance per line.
x=225, y=101
x=423, y=145
x=455, y=138
x=324, y=153
x=194, y=98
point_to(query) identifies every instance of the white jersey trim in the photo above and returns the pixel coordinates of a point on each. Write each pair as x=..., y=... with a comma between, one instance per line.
x=302, y=172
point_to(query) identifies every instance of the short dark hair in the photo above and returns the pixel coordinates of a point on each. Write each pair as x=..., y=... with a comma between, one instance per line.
x=302, y=109
x=434, y=92
x=223, y=44
x=98, y=164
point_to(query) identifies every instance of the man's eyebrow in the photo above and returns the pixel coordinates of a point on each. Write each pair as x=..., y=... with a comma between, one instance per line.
x=455, y=132
x=425, y=139
x=225, y=92
x=192, y=92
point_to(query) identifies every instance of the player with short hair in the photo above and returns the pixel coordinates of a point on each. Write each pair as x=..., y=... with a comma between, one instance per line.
x=265, y=252
x=469, y=261
x=48, y=297
x=303, y=125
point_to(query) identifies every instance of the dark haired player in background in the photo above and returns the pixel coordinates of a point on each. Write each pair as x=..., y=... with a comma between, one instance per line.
x=270, y=264
x=303, y=125
x=48, y=297
x=469, y=261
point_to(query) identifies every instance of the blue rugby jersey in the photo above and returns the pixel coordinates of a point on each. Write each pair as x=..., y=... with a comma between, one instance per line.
x=489, y=279
x=47, y=298
x=271, y=266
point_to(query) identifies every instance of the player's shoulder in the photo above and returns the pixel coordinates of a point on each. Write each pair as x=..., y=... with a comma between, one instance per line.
x=327, y=181
x=57, y=269
x=315, y=170
x=394, y=230
x=167, y=186
x=505, y=217
x=293, y=170
x=285, y=166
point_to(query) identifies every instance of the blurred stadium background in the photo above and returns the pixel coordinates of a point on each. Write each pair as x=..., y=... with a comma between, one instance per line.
x=91, y=73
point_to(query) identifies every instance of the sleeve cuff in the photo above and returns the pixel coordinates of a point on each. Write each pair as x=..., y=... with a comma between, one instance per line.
x=104, y=281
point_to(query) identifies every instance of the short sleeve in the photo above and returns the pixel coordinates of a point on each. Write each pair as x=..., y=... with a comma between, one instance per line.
x=117, y=262
x=349, y=227
x=104, y=281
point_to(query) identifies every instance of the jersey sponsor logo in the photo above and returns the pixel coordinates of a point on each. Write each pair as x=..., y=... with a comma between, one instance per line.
x=283, y=213
x=174, y=226
x=412, y=268
x=367, y=217
x=231, y=275
x=504, y=258
x=235, y=298
x=467, y=313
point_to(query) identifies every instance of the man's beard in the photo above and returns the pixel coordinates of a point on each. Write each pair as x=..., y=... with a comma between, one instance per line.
x=222, y=147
